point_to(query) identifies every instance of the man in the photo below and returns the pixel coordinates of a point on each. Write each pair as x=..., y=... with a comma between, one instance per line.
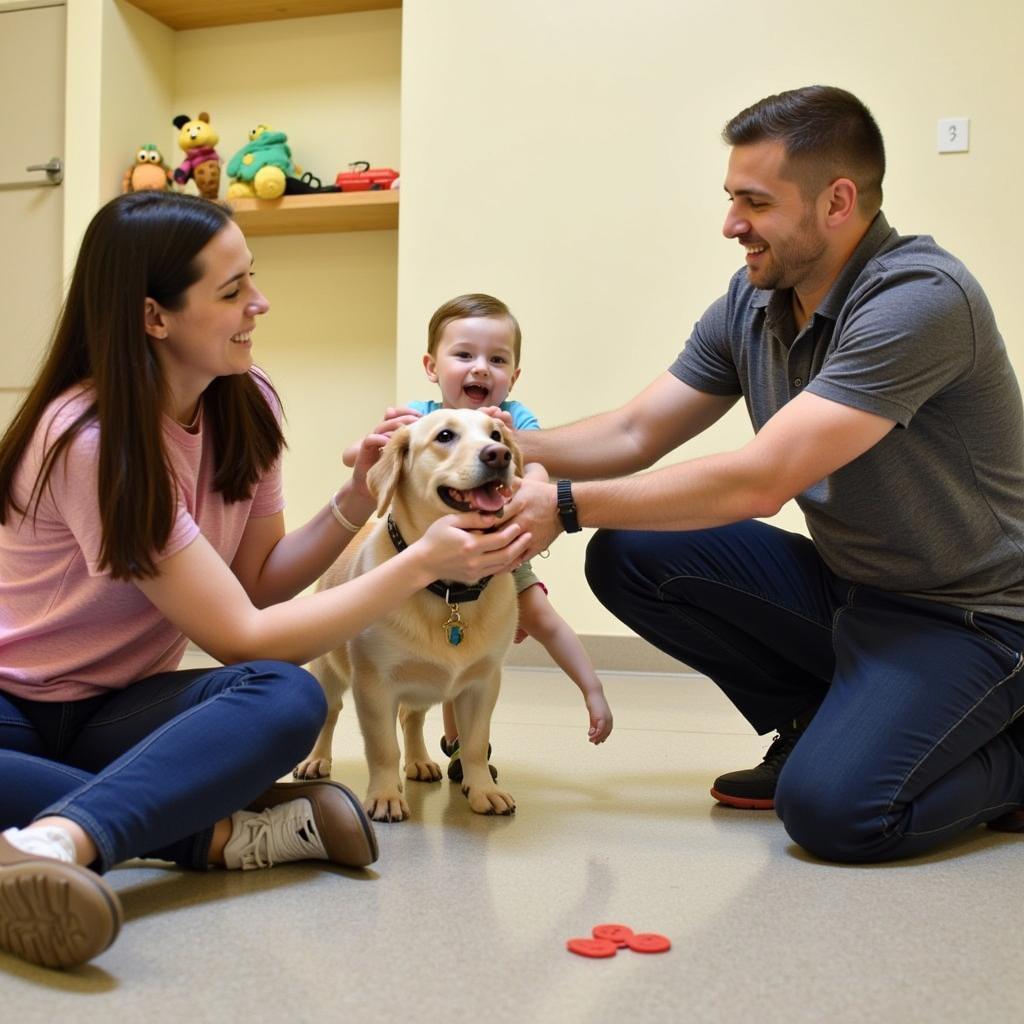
x=886, y=649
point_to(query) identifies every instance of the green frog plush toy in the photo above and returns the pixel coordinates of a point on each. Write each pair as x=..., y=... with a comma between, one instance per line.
x=260, y=169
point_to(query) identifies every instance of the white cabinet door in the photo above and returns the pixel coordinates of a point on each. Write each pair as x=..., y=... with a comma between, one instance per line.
x=31, y=209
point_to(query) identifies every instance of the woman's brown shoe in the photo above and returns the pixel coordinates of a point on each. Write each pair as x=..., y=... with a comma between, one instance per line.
x=53, y=913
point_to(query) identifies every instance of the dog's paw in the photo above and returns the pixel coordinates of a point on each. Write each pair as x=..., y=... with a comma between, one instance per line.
x=313, y=768
x=385, y=806
x=489, y=800
x=423, y=771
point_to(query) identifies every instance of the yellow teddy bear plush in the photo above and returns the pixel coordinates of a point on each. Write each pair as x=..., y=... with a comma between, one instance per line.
x=201, y=163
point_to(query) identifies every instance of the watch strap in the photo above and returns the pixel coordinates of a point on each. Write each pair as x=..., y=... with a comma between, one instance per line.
x=567, y=507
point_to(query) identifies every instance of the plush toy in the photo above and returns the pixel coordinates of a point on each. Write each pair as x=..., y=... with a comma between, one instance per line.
x=262, y=166
x=148, y=172
x=201, y=162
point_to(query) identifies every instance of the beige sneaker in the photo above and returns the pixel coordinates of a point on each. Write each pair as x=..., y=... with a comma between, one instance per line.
x=339, y=822
x=52, y=913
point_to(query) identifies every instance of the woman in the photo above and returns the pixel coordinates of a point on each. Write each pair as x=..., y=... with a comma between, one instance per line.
x=140, y=507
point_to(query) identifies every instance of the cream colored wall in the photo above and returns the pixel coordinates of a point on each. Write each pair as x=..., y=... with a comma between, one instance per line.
x=331, y=83
x=119, y=64
x=137, y=87
x=566, y=157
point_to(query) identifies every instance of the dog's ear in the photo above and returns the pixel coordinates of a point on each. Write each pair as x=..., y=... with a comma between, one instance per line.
x=517, y=455
x=383, y=477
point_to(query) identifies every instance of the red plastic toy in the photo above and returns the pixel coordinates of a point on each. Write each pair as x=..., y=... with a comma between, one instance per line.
x=365, y=178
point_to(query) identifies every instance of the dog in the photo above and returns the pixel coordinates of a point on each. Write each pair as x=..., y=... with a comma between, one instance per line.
x=442, y=644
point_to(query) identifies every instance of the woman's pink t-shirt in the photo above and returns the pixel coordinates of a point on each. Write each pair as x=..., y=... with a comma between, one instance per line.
x=67, y=630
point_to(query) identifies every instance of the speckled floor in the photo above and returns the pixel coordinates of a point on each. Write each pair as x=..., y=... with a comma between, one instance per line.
x=465, y=918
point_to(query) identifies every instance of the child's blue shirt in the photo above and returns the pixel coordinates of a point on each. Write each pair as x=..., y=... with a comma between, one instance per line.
x=522, y=418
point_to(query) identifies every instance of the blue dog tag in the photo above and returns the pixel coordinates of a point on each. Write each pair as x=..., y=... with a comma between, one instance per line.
x=454, y=628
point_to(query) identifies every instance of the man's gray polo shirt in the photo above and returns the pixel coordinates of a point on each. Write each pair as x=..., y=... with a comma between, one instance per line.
x=936, y=508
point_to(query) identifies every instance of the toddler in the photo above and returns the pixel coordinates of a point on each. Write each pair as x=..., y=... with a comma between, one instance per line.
x=473, y=345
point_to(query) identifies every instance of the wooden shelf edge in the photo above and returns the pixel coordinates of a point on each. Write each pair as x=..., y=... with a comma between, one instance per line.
x=182, y=15
x=318, y=214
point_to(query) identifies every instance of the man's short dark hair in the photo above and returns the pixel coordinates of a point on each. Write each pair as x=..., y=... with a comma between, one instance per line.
x=827, y=133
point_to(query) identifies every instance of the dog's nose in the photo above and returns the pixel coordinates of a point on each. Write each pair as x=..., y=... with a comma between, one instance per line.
x=497, y=456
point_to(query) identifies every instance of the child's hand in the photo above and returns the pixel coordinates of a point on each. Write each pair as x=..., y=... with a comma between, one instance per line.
x=600, y=718
x=401, y=412
x=395, y=416
x=350, y=454
x=520, y=636
x=498, y=413
x=364, y=453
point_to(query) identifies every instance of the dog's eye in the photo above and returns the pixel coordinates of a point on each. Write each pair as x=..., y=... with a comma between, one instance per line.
x=446, y=436
x=495, y=435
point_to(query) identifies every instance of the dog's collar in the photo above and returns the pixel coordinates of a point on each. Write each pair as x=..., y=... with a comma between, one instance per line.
x=452, y=593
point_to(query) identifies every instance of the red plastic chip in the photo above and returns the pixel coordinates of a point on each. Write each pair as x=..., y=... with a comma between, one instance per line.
x=648, y=942
x=617, y=933
x=592, y=947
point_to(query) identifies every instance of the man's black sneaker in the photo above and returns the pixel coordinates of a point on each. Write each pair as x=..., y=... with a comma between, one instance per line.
x=455, y=767
x=754, y=788
x=1012, y=821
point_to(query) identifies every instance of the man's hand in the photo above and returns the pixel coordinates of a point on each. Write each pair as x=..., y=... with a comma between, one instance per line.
x=534, y=507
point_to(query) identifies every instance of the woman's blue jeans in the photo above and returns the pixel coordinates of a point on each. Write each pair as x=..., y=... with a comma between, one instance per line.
x=148, y=770
x=910, y=745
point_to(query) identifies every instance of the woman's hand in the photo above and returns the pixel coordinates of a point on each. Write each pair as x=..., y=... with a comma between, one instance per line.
x=456, y=547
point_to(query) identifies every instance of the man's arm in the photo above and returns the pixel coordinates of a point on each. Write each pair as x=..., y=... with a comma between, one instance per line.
x=805, y=441
x=663, y=416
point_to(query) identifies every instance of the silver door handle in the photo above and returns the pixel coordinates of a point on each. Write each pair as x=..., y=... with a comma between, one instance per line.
x=54, y=170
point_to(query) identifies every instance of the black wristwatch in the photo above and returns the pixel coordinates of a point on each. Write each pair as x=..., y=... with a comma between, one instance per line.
x=567, y=508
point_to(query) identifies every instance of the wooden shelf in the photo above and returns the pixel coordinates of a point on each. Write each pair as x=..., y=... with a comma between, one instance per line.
x=186, y=14
x=302, y=214
x=316, y=214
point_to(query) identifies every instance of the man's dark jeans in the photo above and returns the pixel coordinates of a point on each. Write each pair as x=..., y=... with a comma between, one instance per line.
x=910, y=745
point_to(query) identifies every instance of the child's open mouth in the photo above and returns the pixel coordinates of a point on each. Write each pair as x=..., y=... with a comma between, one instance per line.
x=477, y=392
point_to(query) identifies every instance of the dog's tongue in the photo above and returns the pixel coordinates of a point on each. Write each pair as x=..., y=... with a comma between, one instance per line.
x=491, y=498
x=487, y=499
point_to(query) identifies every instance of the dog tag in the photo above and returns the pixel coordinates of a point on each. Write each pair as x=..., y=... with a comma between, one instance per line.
x=454, y=629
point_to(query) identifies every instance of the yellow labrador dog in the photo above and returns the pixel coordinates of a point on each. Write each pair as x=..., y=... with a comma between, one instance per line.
x=445, y=643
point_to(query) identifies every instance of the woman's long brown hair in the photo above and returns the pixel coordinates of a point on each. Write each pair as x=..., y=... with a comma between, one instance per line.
x=144, y=244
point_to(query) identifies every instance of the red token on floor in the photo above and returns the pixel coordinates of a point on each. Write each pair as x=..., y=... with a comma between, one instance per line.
x=617, y=933
x=592, y=947
x=648, y=942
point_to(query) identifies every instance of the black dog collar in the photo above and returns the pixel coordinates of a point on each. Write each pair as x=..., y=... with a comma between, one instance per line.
x=452, y=593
